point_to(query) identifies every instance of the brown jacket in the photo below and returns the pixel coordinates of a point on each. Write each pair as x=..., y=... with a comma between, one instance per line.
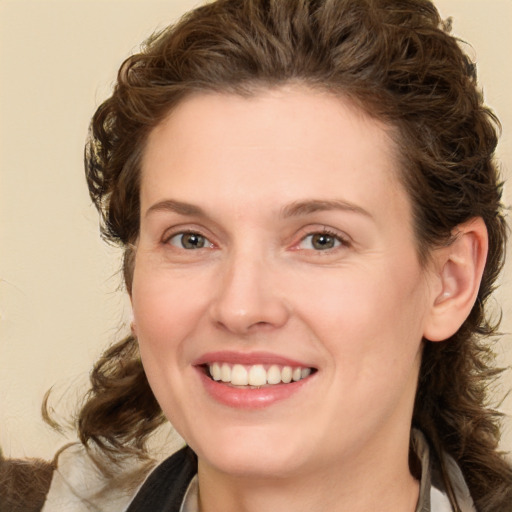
x=24, y=484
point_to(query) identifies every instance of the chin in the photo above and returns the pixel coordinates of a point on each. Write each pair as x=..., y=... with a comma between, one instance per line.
x=252, y=456
x=254, y=466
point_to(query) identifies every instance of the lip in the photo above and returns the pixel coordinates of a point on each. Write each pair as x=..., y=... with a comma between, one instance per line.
x=249, y=398
x=247, y=358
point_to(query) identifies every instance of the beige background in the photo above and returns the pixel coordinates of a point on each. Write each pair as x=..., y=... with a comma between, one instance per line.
x=60, y=302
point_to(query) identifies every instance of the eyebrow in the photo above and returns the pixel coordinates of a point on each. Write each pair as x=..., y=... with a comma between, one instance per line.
x=179, y=207
x=295, y=209
x=299, y=208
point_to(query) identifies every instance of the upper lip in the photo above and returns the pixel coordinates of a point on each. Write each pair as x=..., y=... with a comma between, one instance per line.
x=248, y=358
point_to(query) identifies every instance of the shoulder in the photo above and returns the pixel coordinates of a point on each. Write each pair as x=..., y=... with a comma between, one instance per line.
x=79, y=485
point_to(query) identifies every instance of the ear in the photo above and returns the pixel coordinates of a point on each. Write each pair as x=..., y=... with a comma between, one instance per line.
x=457, y=273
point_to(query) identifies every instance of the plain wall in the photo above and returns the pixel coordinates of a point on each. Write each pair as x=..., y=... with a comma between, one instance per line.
x=60, y=297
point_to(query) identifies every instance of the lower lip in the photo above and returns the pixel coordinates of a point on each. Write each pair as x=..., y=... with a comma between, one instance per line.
x=250, y=398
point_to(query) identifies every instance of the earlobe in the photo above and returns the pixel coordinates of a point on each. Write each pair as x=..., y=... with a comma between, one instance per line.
x=458, y=272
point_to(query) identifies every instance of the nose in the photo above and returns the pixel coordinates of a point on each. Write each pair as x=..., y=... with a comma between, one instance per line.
x=249, y=297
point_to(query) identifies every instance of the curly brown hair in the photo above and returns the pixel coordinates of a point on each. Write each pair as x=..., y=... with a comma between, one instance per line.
x=396, y=60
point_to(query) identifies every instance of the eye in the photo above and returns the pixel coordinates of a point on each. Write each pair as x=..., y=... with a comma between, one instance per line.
x=321, y=241
x=189, y=241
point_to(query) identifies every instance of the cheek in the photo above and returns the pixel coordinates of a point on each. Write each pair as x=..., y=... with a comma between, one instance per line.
x=165, y=308
x=372, y=312
x=165, y=312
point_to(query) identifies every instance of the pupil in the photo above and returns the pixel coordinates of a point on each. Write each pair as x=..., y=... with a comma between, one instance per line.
x=322, y=241
x=192, y=241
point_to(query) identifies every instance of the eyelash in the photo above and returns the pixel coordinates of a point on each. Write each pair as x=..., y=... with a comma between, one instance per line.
x=207, y=244
x=343, y=241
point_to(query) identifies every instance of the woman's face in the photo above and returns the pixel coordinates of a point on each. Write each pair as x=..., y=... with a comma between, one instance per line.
x=277, y=243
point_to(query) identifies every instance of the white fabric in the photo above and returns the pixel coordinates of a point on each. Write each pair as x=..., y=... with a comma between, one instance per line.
x=77, y=484
x=460, y=488
x=191, y=499
x=439, y=502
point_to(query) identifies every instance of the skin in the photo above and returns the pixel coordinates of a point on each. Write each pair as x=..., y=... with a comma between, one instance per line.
x=356, y=312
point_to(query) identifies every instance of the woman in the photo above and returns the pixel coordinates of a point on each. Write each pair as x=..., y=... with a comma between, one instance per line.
x=312, y=224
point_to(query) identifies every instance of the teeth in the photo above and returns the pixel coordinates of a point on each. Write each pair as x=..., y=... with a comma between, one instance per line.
x=286, y=374
x=256, y=375
x=239, y=376
x=225, y=373
x=216, y=371
x=305, y=372
x=274, y=375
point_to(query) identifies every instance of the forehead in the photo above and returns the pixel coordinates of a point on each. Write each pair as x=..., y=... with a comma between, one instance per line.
x=289, y=141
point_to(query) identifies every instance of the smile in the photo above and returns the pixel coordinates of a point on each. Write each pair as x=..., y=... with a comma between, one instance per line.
x=256, y=375
x=252, y=380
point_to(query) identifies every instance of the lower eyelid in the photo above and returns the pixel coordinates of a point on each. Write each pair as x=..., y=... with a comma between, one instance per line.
x=342, y=241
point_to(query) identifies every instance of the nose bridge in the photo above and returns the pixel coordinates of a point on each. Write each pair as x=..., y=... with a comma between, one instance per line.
x=248, y=296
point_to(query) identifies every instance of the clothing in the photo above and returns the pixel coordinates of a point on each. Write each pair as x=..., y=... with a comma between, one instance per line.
x=23, y=484
x=154, y=495
x=78, y=486
x=432, y=488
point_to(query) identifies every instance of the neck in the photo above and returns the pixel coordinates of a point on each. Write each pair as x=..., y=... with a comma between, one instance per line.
x=382, y=482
